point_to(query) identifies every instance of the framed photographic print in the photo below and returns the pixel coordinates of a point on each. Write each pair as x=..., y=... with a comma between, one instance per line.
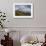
x=22, y=10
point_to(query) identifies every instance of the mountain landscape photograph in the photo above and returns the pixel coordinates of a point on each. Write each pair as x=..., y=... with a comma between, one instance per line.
x=22, y=10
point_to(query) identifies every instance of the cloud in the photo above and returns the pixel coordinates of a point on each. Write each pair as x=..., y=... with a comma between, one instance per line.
x=23, y=8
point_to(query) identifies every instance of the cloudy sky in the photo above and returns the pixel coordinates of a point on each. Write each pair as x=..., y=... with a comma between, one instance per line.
x=25, y=8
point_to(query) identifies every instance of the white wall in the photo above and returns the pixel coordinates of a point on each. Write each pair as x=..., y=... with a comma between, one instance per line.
x=39, y=13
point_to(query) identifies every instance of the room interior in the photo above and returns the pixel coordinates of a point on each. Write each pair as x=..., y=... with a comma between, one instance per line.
x=23, y=31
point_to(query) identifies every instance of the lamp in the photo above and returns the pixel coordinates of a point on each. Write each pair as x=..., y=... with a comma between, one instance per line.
x=7, y=31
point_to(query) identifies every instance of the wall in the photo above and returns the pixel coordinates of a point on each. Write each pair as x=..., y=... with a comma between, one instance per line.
x=39, y=13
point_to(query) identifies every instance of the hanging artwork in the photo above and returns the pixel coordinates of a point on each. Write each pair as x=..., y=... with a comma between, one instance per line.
x=22, y=10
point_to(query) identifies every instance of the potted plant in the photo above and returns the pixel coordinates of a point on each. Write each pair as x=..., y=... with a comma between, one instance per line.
x=2, y=19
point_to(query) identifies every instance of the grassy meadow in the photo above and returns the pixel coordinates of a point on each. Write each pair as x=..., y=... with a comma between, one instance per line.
x=21, y=13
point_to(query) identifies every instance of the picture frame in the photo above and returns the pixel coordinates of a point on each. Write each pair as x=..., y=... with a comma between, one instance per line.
x=22, y=10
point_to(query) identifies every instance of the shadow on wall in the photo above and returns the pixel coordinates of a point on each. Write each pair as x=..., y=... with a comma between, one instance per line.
x=16, y=43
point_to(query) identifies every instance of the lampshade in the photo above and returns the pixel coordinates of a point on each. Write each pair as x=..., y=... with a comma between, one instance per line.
x=7, y=30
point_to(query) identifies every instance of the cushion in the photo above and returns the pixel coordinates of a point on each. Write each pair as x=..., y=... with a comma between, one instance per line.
x=26, y=39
